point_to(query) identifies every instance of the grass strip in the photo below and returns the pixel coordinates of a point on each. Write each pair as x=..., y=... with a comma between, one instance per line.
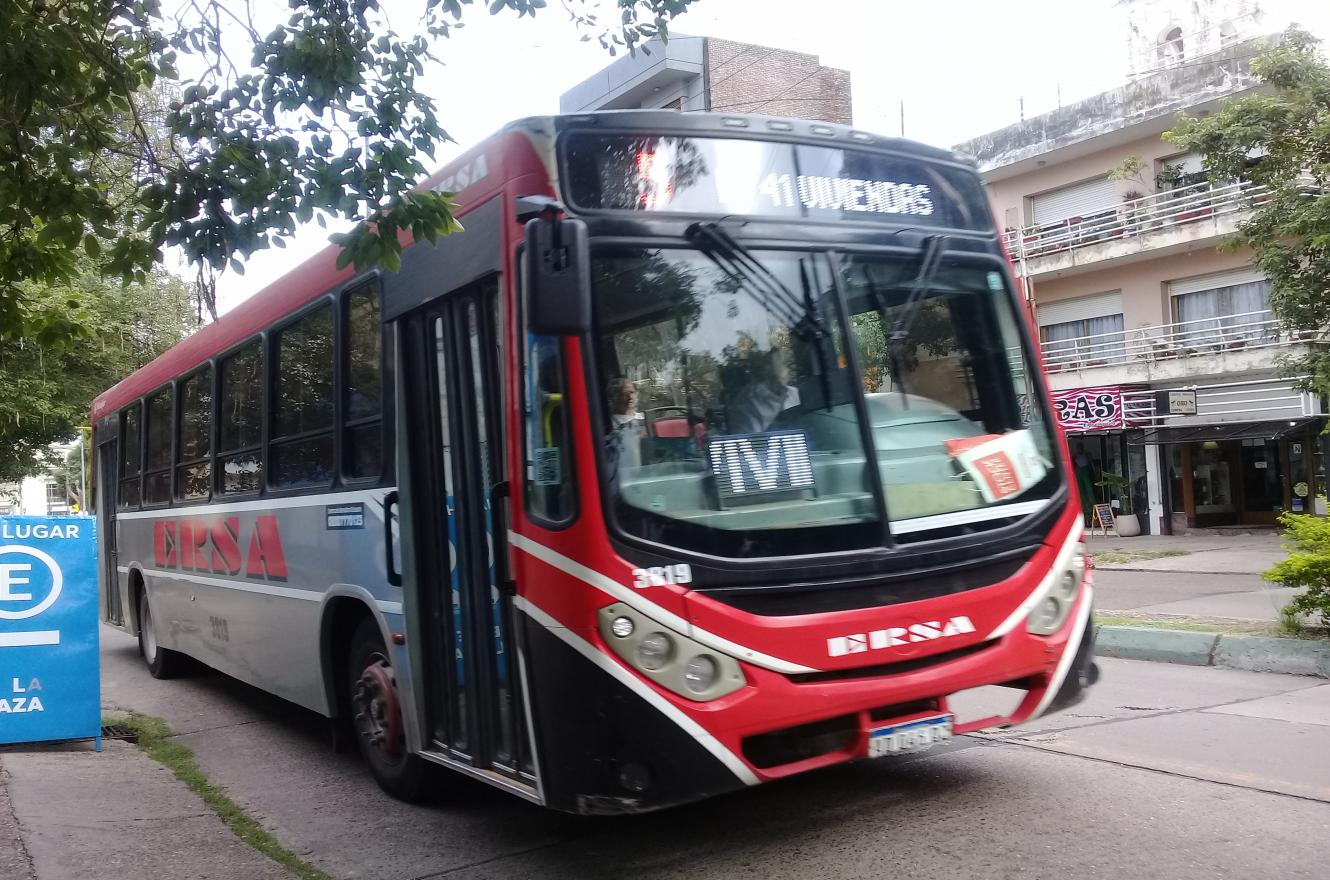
x=1116, y=557
x=155, y=738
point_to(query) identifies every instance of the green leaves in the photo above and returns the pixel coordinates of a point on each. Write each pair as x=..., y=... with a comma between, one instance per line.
x=1280, y=140
x=322, y=117
x=1308, y=564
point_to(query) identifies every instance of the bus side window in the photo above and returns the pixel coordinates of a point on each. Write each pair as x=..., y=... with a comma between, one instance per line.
x=239, y=417
x=131, y=455
x=157, y=460
x=549, y=478
x=301, y=450
x=362, y=440
x=194, y=442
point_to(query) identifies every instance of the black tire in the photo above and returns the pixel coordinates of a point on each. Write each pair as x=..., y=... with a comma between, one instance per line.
x=381, y=738
x=161, y=662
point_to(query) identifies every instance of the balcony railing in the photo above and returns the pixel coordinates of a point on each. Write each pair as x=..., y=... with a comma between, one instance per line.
x=1228, y=333
x=1174, y=207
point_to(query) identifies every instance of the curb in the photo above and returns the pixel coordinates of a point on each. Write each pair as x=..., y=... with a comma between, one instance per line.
x=1254, y=653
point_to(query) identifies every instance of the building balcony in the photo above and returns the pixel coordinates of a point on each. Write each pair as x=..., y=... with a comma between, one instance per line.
x=1154, y=225
x=1168, y=352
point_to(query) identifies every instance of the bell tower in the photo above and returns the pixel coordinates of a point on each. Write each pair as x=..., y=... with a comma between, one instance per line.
x=1168, y=33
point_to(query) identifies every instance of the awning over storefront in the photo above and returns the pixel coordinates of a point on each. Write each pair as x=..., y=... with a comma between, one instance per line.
x=1267, y=430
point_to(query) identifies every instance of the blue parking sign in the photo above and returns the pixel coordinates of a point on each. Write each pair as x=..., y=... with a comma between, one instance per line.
x=49, y=677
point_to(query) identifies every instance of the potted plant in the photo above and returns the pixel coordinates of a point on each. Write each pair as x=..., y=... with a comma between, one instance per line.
x=1125, y=522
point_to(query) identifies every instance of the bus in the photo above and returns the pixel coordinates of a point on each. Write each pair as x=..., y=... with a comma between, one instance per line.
x=713, y=450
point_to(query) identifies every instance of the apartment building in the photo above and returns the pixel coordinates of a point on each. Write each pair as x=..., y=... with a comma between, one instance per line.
x=704, y=73
x=1161, y=349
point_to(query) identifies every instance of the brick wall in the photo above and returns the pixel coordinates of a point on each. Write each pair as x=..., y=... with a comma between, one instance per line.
x=774, y=82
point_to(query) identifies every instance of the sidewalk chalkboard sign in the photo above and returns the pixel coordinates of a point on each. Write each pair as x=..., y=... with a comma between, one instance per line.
x=1103, y=519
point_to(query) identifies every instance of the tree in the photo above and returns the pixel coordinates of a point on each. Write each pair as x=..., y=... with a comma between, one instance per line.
x=46, y=386
x=320, y=118
x=1280, y=140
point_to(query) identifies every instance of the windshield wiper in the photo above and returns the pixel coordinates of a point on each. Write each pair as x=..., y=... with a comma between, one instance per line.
x=802, y=317
x=929, y=262
x=739, y=263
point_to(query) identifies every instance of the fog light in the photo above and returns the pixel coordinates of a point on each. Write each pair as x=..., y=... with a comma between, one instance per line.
x=622, y=627
x=1045, y=617
x=700, y=673
x=655, y=651
x=635, y=776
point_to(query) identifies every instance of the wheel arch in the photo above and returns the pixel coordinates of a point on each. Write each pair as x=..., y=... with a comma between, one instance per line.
x=343, y=609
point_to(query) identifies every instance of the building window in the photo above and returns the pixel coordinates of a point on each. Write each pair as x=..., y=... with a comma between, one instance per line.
x=194, y=446
x=1236, y=313
x=362, y=442
x=301, y=451
x=157, y=460
x=1171, y=47
x=240, y=414
x=1087, y=342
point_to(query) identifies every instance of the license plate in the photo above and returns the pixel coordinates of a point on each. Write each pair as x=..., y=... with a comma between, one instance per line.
x=911, y=736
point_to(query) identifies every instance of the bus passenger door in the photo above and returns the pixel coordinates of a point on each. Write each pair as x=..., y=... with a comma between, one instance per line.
x=107, y=478
x=453, y=394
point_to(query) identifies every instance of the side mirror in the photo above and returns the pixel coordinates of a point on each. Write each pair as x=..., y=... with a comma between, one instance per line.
x=558, y=279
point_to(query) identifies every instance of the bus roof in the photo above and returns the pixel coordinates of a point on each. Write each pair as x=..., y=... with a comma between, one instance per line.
x=319, y=274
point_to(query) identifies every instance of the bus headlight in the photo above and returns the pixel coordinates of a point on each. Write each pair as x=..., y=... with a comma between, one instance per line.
x=1051, y=611
x=670, y=659
x=654, y=651
x=700, y=673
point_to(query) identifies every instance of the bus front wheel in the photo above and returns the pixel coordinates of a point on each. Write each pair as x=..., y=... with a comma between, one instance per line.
x=162, y=662
x=376, y=717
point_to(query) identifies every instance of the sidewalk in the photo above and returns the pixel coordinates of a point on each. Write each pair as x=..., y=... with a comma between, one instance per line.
x=1213, y=578
x=68, y=813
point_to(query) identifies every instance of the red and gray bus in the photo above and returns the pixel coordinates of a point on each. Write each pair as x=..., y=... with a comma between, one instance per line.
x=714, y=449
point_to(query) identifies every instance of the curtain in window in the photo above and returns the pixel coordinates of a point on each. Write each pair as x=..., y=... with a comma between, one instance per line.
x=1106, y=342
x=1211, y=316
x=1087, y=342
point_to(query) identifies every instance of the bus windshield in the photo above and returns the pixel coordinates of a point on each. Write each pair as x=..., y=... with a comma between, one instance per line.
x=736, y=423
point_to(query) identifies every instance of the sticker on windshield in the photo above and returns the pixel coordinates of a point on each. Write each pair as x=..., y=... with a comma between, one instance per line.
x=1002, y=465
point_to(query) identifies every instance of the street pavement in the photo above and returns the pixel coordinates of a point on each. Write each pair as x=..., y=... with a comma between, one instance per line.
x=1214, y=578
x=1164, y=772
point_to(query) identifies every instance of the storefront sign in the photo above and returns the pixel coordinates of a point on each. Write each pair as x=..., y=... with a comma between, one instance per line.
x=1175, y=403
x=49, y=681
x=1089, y=409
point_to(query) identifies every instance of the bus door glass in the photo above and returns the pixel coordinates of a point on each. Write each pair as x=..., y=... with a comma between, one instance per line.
x=484, y=709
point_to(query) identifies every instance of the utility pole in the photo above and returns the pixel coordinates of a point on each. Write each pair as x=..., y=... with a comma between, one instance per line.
x=902, y=117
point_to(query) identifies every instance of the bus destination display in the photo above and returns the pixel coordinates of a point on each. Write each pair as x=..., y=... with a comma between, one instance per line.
x=700, y=175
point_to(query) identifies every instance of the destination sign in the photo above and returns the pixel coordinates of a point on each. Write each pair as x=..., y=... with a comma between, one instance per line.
x=736, y=177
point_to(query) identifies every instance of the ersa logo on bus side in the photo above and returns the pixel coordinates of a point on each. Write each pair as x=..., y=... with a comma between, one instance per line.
x=31, y=581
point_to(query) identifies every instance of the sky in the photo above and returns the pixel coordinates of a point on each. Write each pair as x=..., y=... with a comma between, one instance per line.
x=961, y=68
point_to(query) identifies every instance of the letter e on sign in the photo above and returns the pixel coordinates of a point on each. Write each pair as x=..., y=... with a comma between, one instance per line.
x=15, y=574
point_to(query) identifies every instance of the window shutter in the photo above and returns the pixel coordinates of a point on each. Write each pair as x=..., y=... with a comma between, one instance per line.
x=1083, y=308
x=1078, y=200
x=1245, y=275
